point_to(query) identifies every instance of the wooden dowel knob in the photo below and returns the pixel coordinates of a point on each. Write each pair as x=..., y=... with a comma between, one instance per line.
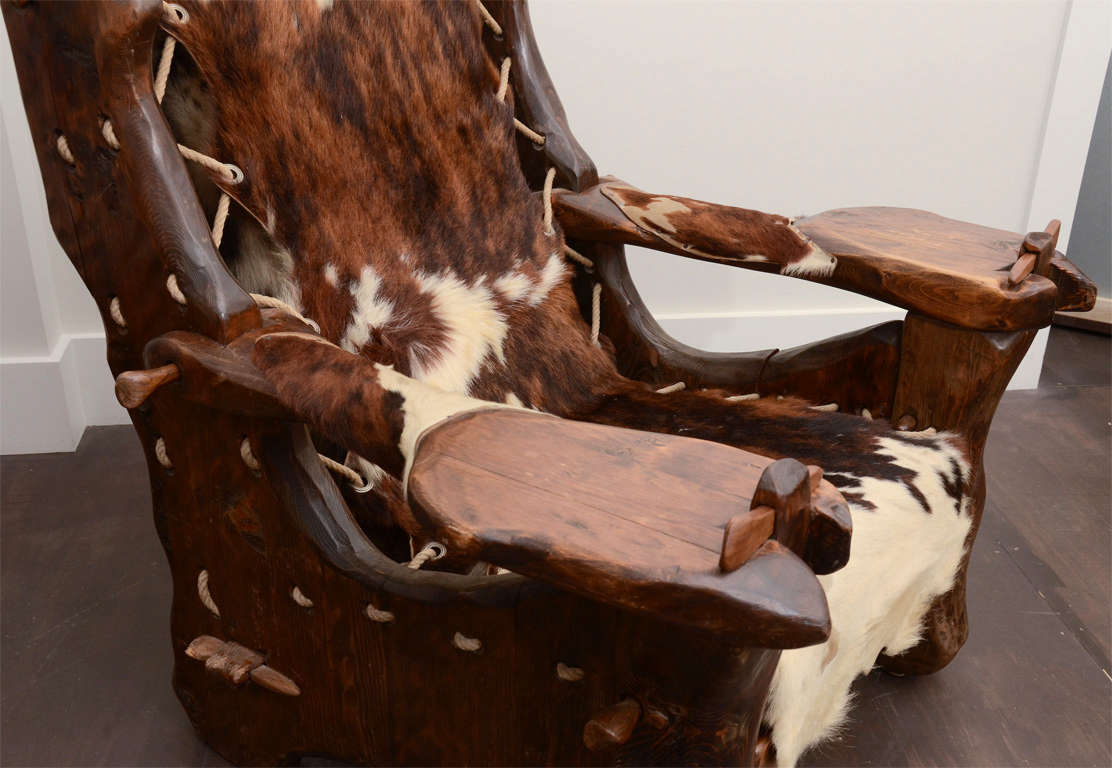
x=1054, y=228
x=745, y=533
x=1023, y=267
x=134, y=387
x=612, y=726
x=273, y=680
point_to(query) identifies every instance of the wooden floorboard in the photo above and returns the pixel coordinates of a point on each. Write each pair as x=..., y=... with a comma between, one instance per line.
x=84, y=597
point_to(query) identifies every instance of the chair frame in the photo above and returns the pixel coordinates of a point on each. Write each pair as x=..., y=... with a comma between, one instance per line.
x=365, y=653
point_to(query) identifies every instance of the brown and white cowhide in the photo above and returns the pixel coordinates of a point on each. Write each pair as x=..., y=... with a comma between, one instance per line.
x=383, y=198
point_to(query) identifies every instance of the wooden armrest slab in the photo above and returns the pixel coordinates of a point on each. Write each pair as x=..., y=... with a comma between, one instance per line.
x=943, y=268
x=633, y=519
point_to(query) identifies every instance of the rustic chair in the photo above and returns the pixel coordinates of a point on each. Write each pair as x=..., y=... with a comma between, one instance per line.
x=440, y=573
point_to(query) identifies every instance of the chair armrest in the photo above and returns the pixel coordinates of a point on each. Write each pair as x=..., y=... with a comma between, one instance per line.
x=950, y=270
x=685, y=530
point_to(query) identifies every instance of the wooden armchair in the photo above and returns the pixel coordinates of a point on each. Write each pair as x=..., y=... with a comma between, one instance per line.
x=527, y=526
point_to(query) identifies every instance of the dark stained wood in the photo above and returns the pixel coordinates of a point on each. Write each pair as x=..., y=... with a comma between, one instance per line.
x=535, y=101
x=745, y=533
x=613, y=726
x=134, y=387
x=830, y=531
x=629, y=518
x=943, y=268
x=785, y=485
x=1076, y=292
x=1023, y=266
x=951, y=379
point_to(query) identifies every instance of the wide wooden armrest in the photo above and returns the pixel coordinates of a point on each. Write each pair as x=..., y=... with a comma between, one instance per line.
x=685, y=530
x=971, y=276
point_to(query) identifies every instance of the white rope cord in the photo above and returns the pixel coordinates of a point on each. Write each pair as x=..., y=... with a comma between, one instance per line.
x=165, y=61
x=830, y=407
x=490, y=21
x=248, y=455
x=175, y=290
x=503, y=79
x=465, y=643
x=269, y=301
x=546, y=198
x=64, y=149
x=382, y=617
x=679, y=386
x=529, y=133
x=109, y=134
x=596, y=312
x=161, y=455
x=578, y=257
x=568, y=674
x=220, y=219
x=866, y=414
x=353, y=477
x=299, y=597
x=115, y=312
x=203, y=593
x=750, y=396
x=434, y=550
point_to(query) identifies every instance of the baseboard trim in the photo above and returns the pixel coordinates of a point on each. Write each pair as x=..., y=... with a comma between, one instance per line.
x=49, y=400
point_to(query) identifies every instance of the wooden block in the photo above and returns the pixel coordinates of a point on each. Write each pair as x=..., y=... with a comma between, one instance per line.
x=744, y=535
x=613, y=726
x=785, y=485
x=830, y=530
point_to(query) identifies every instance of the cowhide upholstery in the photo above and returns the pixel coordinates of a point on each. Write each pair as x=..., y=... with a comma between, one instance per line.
x=383, y=198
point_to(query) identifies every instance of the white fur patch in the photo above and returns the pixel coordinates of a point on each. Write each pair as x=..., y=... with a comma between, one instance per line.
x=369, y=312
x=817, y=262
x=331, y=275
x=878, y=600
x=551, y=275
x=514, y=286
x=423, y=407
x=475, y=329
x=514, y=400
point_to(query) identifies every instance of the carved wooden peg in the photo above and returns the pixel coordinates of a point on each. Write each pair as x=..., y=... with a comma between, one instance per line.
x=612, y=726
x=273, y=680
x=785, y=485
x=744, y=534
x=1023, y=267
x=134, y=387
x=1054, y=228
x=830, y=530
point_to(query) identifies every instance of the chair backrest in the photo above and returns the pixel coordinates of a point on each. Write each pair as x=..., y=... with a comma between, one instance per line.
x=379, y=163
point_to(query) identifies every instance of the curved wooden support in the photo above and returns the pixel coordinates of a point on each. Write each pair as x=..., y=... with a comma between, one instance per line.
x=613, y=726
x=134, y=387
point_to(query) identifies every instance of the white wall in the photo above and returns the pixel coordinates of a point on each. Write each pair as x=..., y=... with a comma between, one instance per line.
x=790, y=107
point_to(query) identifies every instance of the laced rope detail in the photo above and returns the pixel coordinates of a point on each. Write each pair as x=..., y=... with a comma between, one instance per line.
x=568, y=674
x=273, y=303
x=374, y=614
x=204, y=594
x=161, y=455
x=489, y=20
x=299, y=597
x=679, y=386
x=64, y=150
x=116, y=313
x=467, y=644
x=358, y=483
x=434, y=550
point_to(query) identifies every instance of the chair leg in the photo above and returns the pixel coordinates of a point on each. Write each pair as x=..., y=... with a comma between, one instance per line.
x=951, y=379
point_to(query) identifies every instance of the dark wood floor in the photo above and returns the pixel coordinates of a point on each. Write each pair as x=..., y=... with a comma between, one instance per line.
x=85, y=656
